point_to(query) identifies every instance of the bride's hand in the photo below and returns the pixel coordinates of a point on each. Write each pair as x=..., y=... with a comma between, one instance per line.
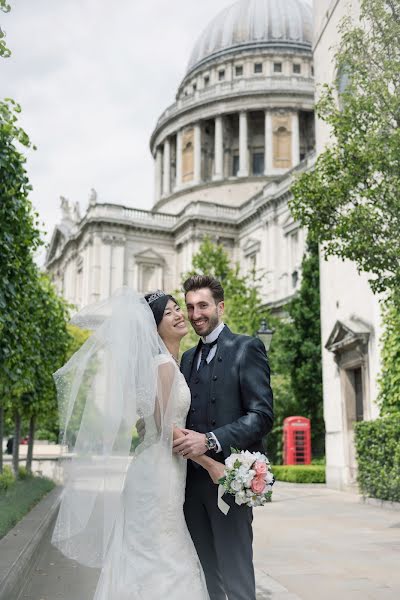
x=216, y=471
x=178, y=433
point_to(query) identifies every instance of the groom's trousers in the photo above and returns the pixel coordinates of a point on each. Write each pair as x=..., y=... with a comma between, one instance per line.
x=224, y=543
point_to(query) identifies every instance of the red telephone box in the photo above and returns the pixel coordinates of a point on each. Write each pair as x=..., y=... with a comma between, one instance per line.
x=296, y=441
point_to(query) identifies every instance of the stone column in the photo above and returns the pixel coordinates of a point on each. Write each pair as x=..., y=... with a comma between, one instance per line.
x=158, y=174
x=243, y=146
x=106, y=266
x=268, y=147
x=167, y=168
x=117, y=266
x=178, y=159
x=197, y=153
x=95, y=290
x=295, y=139
x=218, y=149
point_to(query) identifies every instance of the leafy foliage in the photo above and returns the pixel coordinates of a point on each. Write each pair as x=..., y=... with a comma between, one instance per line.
x=389, y=383
x=298, y=346
x=350, y=201
x=378, y=457
x=300, y=474
x=33, y=334
x=4, y=51
x=19, y=238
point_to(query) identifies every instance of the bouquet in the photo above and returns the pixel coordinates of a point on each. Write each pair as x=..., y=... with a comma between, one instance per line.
x=248, y=477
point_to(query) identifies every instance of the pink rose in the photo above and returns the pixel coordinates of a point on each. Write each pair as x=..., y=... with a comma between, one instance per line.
x=260, y=467
x=258, y=484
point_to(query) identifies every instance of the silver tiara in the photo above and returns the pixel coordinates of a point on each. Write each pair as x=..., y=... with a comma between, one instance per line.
x=158, y=294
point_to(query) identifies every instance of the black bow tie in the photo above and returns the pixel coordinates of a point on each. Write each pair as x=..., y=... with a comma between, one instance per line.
x=205, y=351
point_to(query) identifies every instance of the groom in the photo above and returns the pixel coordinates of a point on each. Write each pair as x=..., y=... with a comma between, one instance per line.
x=231, y=406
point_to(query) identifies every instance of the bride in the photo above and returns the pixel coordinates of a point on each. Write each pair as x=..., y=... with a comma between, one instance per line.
x=118, y=512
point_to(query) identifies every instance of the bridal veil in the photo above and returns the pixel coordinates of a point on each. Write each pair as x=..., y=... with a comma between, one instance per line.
x=121, y=373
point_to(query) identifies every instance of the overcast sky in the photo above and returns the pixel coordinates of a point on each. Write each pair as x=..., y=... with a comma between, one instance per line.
x=92, y=77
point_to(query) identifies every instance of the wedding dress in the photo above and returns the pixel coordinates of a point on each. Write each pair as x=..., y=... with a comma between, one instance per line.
x=124, y=513
x=138, y=565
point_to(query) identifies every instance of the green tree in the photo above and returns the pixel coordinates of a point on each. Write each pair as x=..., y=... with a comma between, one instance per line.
x=300, y=348
x=49, y=345
x=350, y=202
x=19, y=238
x=33, y=335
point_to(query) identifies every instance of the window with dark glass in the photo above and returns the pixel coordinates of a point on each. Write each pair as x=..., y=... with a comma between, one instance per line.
x=258, y=68
x=277, y=67
x=206, y=80
x=194, y=87
x=221, y=75
x=258, y=163
x=238, y=70
x=296, y=68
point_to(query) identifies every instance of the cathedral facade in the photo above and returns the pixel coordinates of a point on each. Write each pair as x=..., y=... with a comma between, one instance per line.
x=225, y=153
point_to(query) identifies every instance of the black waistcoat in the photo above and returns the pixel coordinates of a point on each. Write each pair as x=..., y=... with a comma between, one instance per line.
x=199, y=384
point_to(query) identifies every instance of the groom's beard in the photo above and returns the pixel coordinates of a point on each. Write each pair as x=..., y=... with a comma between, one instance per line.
x=208, y=325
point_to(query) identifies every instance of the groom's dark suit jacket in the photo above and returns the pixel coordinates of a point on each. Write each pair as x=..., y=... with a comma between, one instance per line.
x=240, y=401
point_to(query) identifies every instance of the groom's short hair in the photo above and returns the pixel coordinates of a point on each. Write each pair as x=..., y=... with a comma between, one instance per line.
x=198, y=282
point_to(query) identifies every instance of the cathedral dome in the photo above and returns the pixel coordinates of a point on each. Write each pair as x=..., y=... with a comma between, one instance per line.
x=251, y=24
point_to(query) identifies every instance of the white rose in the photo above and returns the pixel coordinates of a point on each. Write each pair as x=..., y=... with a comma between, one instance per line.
x=240, y=498
x=248, y=458
x=236, y=485
x=242, y=473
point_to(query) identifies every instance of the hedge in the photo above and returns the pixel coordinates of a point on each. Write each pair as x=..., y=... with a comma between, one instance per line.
x=378, y=456
x=299, y=473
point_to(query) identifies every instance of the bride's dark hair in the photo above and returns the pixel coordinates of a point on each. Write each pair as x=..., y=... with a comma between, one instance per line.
x=157, y=301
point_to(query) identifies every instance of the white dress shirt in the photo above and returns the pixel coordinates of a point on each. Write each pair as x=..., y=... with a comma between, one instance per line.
x=209, y=339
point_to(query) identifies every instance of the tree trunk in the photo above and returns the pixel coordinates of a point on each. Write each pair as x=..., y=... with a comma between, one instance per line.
x=17, y=435
x=1, y=436
x=32, y=424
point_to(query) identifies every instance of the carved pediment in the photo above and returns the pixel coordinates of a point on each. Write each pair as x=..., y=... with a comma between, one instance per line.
x=347, y=335
x=149, y=257
x=251, y=246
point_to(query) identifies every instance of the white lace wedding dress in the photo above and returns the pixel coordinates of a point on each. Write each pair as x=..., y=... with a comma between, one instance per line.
x=151, y=554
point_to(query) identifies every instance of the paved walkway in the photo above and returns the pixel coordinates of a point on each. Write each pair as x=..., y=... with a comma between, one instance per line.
x=310, y=544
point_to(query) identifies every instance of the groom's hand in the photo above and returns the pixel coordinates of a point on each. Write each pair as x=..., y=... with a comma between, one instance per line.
x=191, y=444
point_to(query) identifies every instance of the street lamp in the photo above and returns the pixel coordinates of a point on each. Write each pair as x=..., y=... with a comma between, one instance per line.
x=265, y=334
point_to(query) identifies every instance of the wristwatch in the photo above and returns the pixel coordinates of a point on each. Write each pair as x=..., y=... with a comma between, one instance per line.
x=211, y=442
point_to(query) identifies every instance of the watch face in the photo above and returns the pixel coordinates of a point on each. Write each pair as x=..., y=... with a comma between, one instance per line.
x=211, y=443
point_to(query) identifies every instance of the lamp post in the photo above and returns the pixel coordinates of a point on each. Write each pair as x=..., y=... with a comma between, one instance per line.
x=265, y=334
